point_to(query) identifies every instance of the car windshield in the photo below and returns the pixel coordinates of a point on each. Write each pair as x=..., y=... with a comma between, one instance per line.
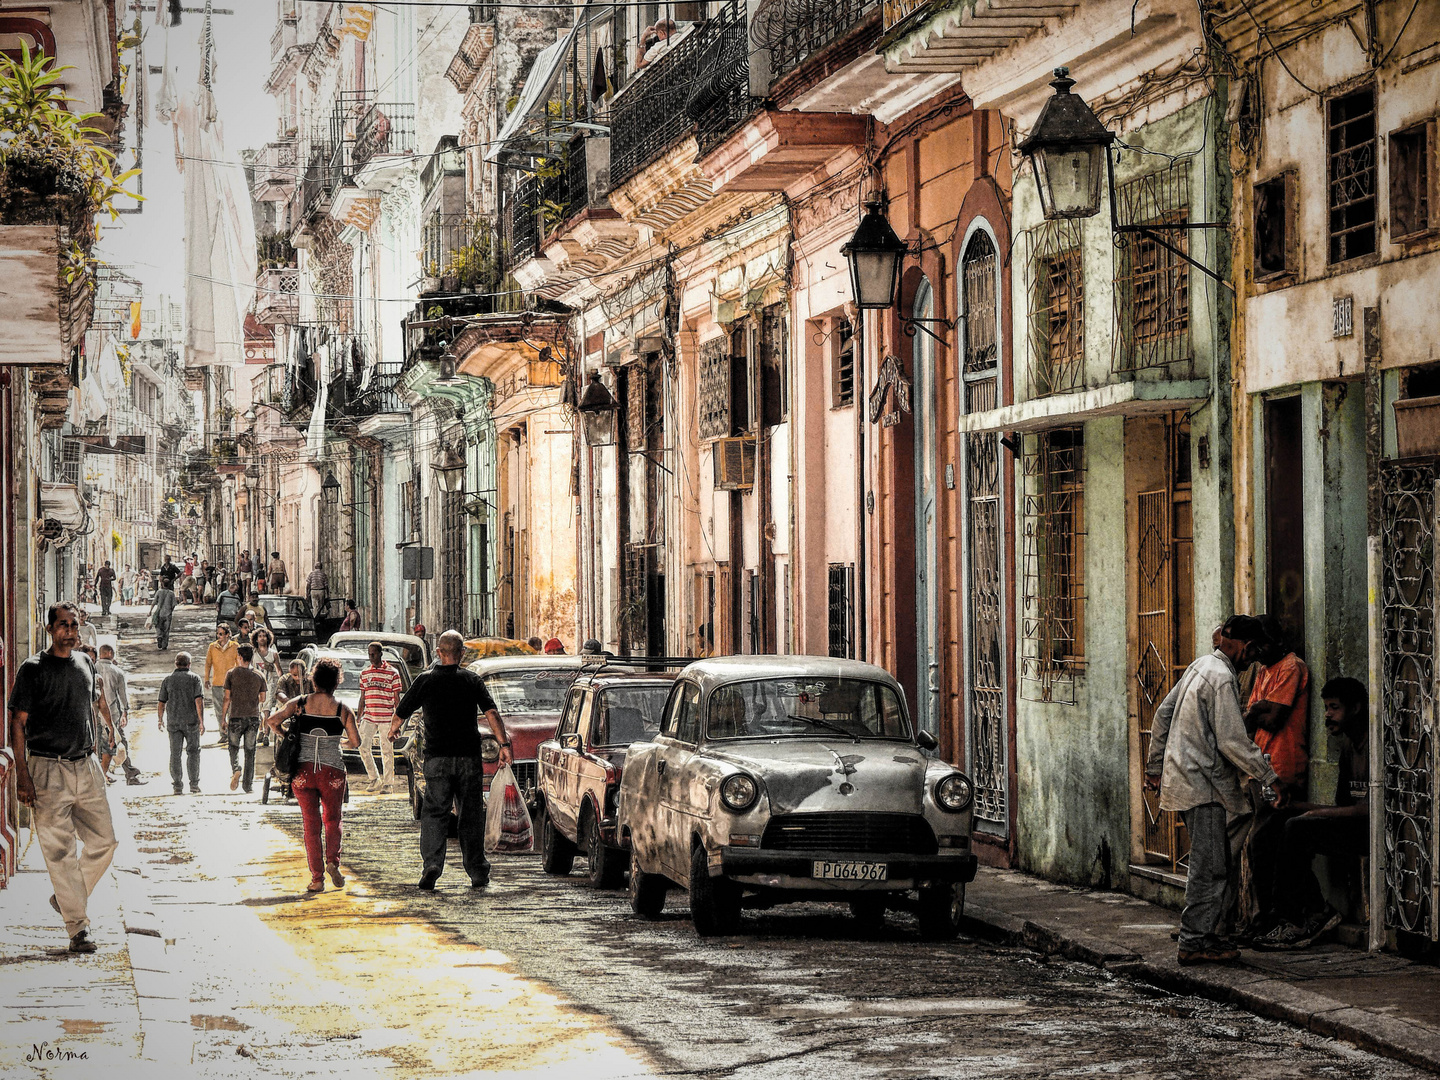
x=628, y=714
x=350, y=669
x=530, y=691
x=285, y=605
x=806, y=706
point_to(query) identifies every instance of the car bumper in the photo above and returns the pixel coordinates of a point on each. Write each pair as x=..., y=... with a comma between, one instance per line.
x=795, y=869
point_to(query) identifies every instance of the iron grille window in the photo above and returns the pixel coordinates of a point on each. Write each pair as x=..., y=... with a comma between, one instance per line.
x=774, y=370
x=1057, y=309
x=1350, y=152
x=714, y=389
x=979, y=285
x=842, y=610
x=1054, y=564
x=1152, y=282
x=842, y=385
x=452, y=592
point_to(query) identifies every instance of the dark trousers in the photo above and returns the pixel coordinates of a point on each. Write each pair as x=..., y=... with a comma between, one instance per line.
x=244, y=729
x=131, y=772
x=162, y=632
x=461, y=782
x=1284, y=858
x=187, y=739
x=107, y=597
x=1215, y=838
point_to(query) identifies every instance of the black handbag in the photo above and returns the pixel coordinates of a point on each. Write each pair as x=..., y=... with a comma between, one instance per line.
x=287, y=748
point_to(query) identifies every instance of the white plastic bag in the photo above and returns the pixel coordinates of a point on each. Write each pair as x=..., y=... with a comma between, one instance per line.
x=508, y=830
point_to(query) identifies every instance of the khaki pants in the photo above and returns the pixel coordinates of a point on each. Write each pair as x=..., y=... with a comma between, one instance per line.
x=368, y=731
x=70, y=803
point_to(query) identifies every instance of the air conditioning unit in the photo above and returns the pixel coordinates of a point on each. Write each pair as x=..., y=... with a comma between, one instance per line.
x=734, y=464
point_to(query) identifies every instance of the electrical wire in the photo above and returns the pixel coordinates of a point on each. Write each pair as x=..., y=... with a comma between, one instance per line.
x=1398, y=36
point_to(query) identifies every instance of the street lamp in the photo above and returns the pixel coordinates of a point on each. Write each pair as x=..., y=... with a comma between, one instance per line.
x=450, y=468
x=448, y=363
x=331, y=487
x=875, y=254
x=1065, y=148
x=597, y=408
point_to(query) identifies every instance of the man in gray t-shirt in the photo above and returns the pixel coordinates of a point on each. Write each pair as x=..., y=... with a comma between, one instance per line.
x=182, y=695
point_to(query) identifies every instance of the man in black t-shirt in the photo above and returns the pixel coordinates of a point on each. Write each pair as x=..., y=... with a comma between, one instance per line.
x=53, y=725
x=452, y=698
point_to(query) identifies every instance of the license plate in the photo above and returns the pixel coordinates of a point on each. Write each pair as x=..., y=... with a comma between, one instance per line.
x=851, y=871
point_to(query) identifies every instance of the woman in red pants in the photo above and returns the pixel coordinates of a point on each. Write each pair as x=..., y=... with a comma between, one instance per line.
x=319, y=782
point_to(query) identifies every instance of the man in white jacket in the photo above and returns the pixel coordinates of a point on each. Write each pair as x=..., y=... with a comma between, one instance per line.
x=1198, y=750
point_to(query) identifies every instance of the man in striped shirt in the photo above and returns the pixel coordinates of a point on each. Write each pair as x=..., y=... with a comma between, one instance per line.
x=379, y=694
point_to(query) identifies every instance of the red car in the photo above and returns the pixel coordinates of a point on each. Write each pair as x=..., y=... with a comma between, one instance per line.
x=530, y=693
x=608, y=708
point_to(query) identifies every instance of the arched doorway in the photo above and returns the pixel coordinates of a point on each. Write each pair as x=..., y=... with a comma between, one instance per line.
x=927, y=584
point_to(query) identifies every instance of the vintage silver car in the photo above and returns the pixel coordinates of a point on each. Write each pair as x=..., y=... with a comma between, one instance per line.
x=787, y=778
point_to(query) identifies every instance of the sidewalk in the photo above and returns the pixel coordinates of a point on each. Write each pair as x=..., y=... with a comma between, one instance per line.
x=1378, y=1001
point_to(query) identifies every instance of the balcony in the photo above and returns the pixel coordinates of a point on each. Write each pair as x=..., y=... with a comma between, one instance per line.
x=48, y=300
x=277, y=296
x=274, y=173
x=897, y=11
x=523, y=214
x=385, y=129
x=474, y=50
x=318, y=185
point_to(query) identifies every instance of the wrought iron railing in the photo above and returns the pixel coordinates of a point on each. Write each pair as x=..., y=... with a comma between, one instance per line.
x=524, y=221
x=795, y=30
x=385, y=129
x=722, y=101
x=897, y=11
x=382, y=395
x=318, y=184
x=648, y=116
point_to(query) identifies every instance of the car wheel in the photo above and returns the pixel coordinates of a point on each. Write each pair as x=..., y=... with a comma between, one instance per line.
x=557, y=855
x=868, y=910
x=607, y=864
x=714, y=901
x=414, y=792
x=942, y=907
x=647, y=892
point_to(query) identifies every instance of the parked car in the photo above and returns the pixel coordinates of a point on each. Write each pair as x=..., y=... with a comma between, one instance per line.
x=290, y=620
x=352, y=662
x=412, y=649
x=786, y=778
x=610, y=706
x=529, y=692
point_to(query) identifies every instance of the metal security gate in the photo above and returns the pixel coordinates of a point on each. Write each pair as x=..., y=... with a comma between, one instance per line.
x=1408, y=697
x=452, y=565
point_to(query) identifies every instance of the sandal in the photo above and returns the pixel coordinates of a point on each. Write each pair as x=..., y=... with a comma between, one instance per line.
x=335, y=875
x=316, y=885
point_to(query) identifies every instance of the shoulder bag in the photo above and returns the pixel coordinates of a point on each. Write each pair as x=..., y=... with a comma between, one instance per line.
x=287, y=747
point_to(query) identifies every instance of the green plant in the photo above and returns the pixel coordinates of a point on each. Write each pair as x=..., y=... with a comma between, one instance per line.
x=48, y=149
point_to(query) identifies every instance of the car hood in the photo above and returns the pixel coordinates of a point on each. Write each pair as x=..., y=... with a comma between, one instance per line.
x=806, y=774
x=528, y=730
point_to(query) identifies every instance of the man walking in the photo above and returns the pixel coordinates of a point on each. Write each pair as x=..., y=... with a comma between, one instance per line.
x=379, y=694
x=105, y=580
x=162, y=612
x=452, y=698
x=53, y=727
x=317, y=587
x=117, y=700
x=220, y=657
x=276, y=572
x=184, y=698
x=1198, y=749
x=244, y=691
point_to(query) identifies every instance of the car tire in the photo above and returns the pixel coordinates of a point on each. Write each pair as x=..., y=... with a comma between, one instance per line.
x=714, y=901
x=941, y=911
x=414, y=792
x=607, y=864
x=647, y=892
x=557, y=854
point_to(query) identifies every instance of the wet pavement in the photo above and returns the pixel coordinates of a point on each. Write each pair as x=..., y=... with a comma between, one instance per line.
x=241, y=973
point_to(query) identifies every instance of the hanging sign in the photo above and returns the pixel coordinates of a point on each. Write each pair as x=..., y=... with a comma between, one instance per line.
x=892, y=374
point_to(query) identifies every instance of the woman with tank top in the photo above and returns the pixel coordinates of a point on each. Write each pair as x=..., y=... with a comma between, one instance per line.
x=319, y=782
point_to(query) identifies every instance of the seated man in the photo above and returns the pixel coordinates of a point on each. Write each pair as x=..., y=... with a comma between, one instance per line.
x=1287, y=845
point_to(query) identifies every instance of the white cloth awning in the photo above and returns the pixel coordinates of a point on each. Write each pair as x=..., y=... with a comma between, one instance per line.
x=537, y=90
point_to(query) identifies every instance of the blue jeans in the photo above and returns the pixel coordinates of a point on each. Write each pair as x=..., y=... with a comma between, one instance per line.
x=461, y=782
x=246, y=728
x=187, y=738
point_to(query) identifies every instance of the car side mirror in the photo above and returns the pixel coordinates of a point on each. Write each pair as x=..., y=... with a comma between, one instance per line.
x=570, y=740
x=925, y=740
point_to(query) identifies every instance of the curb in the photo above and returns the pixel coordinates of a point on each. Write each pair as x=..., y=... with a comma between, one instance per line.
x=1276, y=999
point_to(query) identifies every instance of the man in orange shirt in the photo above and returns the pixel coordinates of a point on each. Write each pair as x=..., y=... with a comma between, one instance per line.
x=1278, y=715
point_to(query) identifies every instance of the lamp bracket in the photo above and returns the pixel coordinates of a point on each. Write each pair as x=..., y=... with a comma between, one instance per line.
x=910, y=324
x=1153, y=231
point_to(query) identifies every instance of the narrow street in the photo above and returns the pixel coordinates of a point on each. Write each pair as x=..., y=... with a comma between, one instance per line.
x=539, y=976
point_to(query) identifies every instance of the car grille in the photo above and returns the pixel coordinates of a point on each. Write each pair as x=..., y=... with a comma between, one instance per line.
x=870, y=834
x=526, y=774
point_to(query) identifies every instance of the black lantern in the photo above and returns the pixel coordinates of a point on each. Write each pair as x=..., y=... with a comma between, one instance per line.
x=448, y=363
x=597, y=409
x=192, y=514
x=331, y=487
x=1067, y=148
x=450, y=468
x=875, y=254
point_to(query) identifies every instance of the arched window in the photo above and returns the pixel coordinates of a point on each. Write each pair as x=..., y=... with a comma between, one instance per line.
x=977, y=306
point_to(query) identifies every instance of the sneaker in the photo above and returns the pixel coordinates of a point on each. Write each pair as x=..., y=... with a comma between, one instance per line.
x=1222, y=954
x=179, y=791
x=109, y=779
x=234, y=779
x=428, y=880
x=137, y=781
x=194, y=789
x=1285, y=936
x=81, y=943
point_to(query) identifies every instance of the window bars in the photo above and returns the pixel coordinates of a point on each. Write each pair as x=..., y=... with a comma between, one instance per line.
x=1053, y=577
x=842, y=610
x=1350, y=158
x=1057, y=308
x=1152, y=281
x=978, y=273
x=714, y=405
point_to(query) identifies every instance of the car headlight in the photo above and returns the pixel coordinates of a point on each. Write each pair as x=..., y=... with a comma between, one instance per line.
x=738, y=792
x=953, y=793
x=489, y=750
